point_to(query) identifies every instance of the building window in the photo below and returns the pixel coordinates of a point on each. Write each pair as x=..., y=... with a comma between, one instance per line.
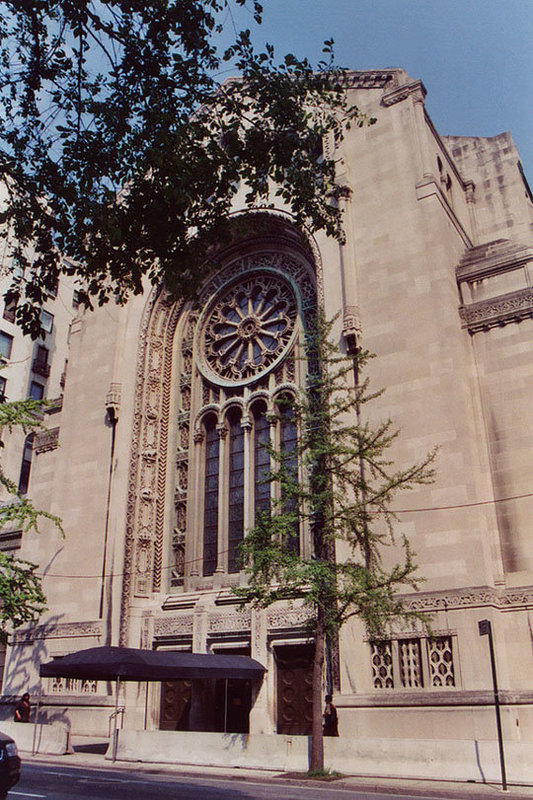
x=233, y=358
x=409, y=652
x=261, y=461
x=6, y=344
x=76, y=298
x=3, y=384
x=47, y=321
x=25, y=468
x=382, y=673
x=40, y=363
x=413, y=663
x=36, y=391
x=440, y=658
x=288, y=449
x=236, y=491
x=9, y=311
x=211, y=496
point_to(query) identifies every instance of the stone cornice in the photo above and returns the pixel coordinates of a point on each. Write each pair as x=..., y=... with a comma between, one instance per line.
x=491, y=258
x=421, y=697
x=479, y=597
x=403, y=91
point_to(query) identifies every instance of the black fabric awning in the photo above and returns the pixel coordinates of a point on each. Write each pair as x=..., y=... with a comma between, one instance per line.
x=129, y=664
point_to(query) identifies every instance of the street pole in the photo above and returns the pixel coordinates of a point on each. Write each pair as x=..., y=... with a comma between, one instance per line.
x=485, y=629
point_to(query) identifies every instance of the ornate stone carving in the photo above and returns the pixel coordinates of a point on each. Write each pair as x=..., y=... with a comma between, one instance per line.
x=168, y=626
x=498, y=311
x=289, y=618
x=248, y=327
x=60, y=630
x=218, y=623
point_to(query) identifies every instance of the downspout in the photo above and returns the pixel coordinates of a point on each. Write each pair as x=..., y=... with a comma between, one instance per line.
x=112, y=408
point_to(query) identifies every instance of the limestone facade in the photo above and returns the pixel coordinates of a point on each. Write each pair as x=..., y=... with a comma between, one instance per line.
x=157, y=472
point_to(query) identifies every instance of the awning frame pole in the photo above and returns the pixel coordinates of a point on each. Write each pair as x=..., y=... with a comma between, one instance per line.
x=36, y=720
x=115, y=717
x=225, y=705
x=146, y=706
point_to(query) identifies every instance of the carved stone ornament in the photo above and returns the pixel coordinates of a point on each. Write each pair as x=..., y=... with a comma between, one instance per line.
x=247, y=328
x=498, y=311
x=167, y=626
x=289, y=618
x=227, y=623
x=62, y=630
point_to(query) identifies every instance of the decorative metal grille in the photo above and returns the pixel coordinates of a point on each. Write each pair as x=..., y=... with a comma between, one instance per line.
x=72, y=686
x=440, y=658
x=410, y=662
x=249, y=327
x=382, y=673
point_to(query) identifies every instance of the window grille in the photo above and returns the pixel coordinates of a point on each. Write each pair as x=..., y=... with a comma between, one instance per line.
x=440, y=659
x=382, y=672
x=417, y=661
x=410, y=662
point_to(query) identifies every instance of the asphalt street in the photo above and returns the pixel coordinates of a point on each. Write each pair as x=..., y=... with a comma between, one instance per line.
x=49, y=782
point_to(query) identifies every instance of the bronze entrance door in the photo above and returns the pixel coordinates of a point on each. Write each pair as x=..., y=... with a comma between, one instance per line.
x=295, y=689
x=175, y=705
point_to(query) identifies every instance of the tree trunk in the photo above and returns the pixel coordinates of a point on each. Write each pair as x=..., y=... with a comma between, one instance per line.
x=317, y=739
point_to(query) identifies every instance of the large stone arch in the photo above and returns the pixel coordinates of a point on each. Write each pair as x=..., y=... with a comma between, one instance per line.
x=280, y=245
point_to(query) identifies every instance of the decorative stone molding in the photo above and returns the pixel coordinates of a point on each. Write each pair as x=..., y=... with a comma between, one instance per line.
x=373, y=79
x=46, y=440
x=494, y=260
x=144, y=517
x=481, y=597
x=289, y=618
x=229, y=622
x=496, y=312
x=170, y=626
x=61, y=630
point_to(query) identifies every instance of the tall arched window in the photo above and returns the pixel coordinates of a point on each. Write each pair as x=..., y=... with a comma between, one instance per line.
x=233, y=357
x=212, y=459
x=236, y=491
x=288, y=441
x=261, y=460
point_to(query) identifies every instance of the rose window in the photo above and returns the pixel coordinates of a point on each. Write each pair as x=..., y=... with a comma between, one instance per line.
x=248, y=327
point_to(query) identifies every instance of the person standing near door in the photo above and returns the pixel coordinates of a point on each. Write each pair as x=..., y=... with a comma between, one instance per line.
x=331, y=725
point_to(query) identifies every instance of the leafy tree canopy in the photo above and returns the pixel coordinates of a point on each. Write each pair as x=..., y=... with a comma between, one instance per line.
x=123, y=148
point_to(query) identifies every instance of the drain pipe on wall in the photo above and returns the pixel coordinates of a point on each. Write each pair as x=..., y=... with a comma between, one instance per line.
x=112, y=409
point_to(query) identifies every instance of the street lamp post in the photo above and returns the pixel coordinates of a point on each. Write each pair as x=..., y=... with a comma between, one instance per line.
x=485, y=629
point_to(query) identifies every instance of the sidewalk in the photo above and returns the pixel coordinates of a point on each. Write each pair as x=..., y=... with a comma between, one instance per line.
x=438, y=788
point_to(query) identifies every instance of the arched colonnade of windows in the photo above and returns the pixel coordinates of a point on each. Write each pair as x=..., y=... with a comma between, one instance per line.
x=235, y=470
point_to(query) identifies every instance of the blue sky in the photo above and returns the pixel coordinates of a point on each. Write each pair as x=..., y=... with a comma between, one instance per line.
x=474, y=56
